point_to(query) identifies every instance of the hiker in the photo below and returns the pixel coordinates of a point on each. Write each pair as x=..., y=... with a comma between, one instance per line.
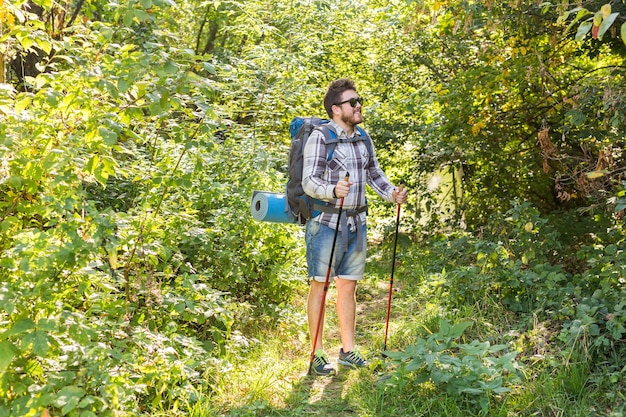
x=327, y=180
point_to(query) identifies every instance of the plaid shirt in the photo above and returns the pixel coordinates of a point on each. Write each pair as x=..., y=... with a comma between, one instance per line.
x=319, y=176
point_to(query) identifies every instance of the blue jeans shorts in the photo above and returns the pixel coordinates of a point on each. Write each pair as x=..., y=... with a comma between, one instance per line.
x=349, y=263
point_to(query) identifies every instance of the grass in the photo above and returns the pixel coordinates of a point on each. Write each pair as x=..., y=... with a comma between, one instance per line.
x=267, y=374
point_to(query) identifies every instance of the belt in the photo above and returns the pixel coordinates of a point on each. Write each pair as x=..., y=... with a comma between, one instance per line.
x=343, y=221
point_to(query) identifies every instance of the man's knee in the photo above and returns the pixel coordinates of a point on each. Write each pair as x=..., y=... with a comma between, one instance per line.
x=346, y=285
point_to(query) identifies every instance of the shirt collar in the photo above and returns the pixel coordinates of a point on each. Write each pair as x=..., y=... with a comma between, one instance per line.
x=342, y=133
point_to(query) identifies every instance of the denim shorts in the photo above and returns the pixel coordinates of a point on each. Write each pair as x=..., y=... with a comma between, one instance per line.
x=349, y=263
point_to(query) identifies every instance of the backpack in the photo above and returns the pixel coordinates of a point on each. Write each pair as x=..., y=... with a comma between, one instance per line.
x=301, y=205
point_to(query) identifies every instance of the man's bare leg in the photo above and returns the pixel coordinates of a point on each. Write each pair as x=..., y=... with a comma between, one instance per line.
x=346, y=312
x=314, y=303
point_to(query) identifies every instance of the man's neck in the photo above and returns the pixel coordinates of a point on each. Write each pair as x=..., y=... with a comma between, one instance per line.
x=349, y=129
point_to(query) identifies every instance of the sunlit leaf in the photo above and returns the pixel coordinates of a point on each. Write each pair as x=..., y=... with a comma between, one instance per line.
x=92, y=163
x=606, y=24
x=597, y=18
x=19, y=327
x=40, y=343
x=68, y=397
x=23, y=103
x=583, y=29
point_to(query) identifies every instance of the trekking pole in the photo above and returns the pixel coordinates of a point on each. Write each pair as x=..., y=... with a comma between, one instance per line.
x=393, y=267
x=326, y=282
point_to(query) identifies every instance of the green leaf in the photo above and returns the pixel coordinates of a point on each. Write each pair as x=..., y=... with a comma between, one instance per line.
x=171, y=67
x=562, y=18
x=527, y=256
x=12, y=221
x=47, y=324
x=20, y=326
x=444, y=328
x=128, y=18
x=606, y=24
x=92, y=163
x=68, y=397
x=414, y=365
x=459, y=329
x=101, y=176
x=141, y=15
x=122, y=85
x=112, y=89
x=475, y=348
x=23, y=103
x=108, y=136
x=611, y=249
x=7, y=353
x=472, y=391
x=40, y=343
x=581, y=12
x=104, y=170
x=623, y=32
x=46, y=4
x=583, y=29
x=38, y=340
x=45, y=45
x=394, y=355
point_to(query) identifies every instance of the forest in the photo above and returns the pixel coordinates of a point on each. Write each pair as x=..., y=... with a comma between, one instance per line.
x=134, y=280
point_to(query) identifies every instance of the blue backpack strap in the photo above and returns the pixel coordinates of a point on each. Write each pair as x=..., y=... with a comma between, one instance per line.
x=330, y=138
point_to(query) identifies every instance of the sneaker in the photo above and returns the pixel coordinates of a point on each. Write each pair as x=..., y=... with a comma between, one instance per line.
x=353, y=359
x=321, y=366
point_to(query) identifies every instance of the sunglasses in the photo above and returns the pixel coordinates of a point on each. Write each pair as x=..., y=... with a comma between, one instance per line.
x=352, y=101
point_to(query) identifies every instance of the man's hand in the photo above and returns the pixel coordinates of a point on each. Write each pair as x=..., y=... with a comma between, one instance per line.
x=400, y=195
x=342, y=188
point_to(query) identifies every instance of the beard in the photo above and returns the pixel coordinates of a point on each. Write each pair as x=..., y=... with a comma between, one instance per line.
x=353, y=118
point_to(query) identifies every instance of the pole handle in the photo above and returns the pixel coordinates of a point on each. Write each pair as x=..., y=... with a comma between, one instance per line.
x=400, y=188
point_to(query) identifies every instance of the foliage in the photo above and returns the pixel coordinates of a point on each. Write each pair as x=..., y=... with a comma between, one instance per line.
x=597, y=17
x=519, y=267
x=495, y=91
x=476, y=368
x=133, y=134
x=120, y=230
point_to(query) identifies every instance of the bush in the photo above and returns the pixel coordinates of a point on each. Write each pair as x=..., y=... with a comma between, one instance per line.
x=476, y=369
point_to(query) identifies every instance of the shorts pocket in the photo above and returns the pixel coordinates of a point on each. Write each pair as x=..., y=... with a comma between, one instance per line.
x=312, y=229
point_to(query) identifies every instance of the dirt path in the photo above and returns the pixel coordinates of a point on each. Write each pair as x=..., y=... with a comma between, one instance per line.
x=334, y=396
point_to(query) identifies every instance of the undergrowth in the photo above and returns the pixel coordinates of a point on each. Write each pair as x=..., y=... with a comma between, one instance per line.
x=479, y=326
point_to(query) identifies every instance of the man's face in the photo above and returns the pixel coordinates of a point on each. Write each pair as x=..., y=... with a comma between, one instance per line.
x=350, y=107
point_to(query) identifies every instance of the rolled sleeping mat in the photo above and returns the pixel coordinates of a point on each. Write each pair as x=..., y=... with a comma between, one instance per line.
x=270, y=207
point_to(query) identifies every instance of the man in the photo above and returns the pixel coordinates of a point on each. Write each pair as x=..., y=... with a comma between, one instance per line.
x=327, y=181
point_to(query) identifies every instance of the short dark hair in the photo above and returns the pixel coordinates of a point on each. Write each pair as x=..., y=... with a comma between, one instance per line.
x=334, y=92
